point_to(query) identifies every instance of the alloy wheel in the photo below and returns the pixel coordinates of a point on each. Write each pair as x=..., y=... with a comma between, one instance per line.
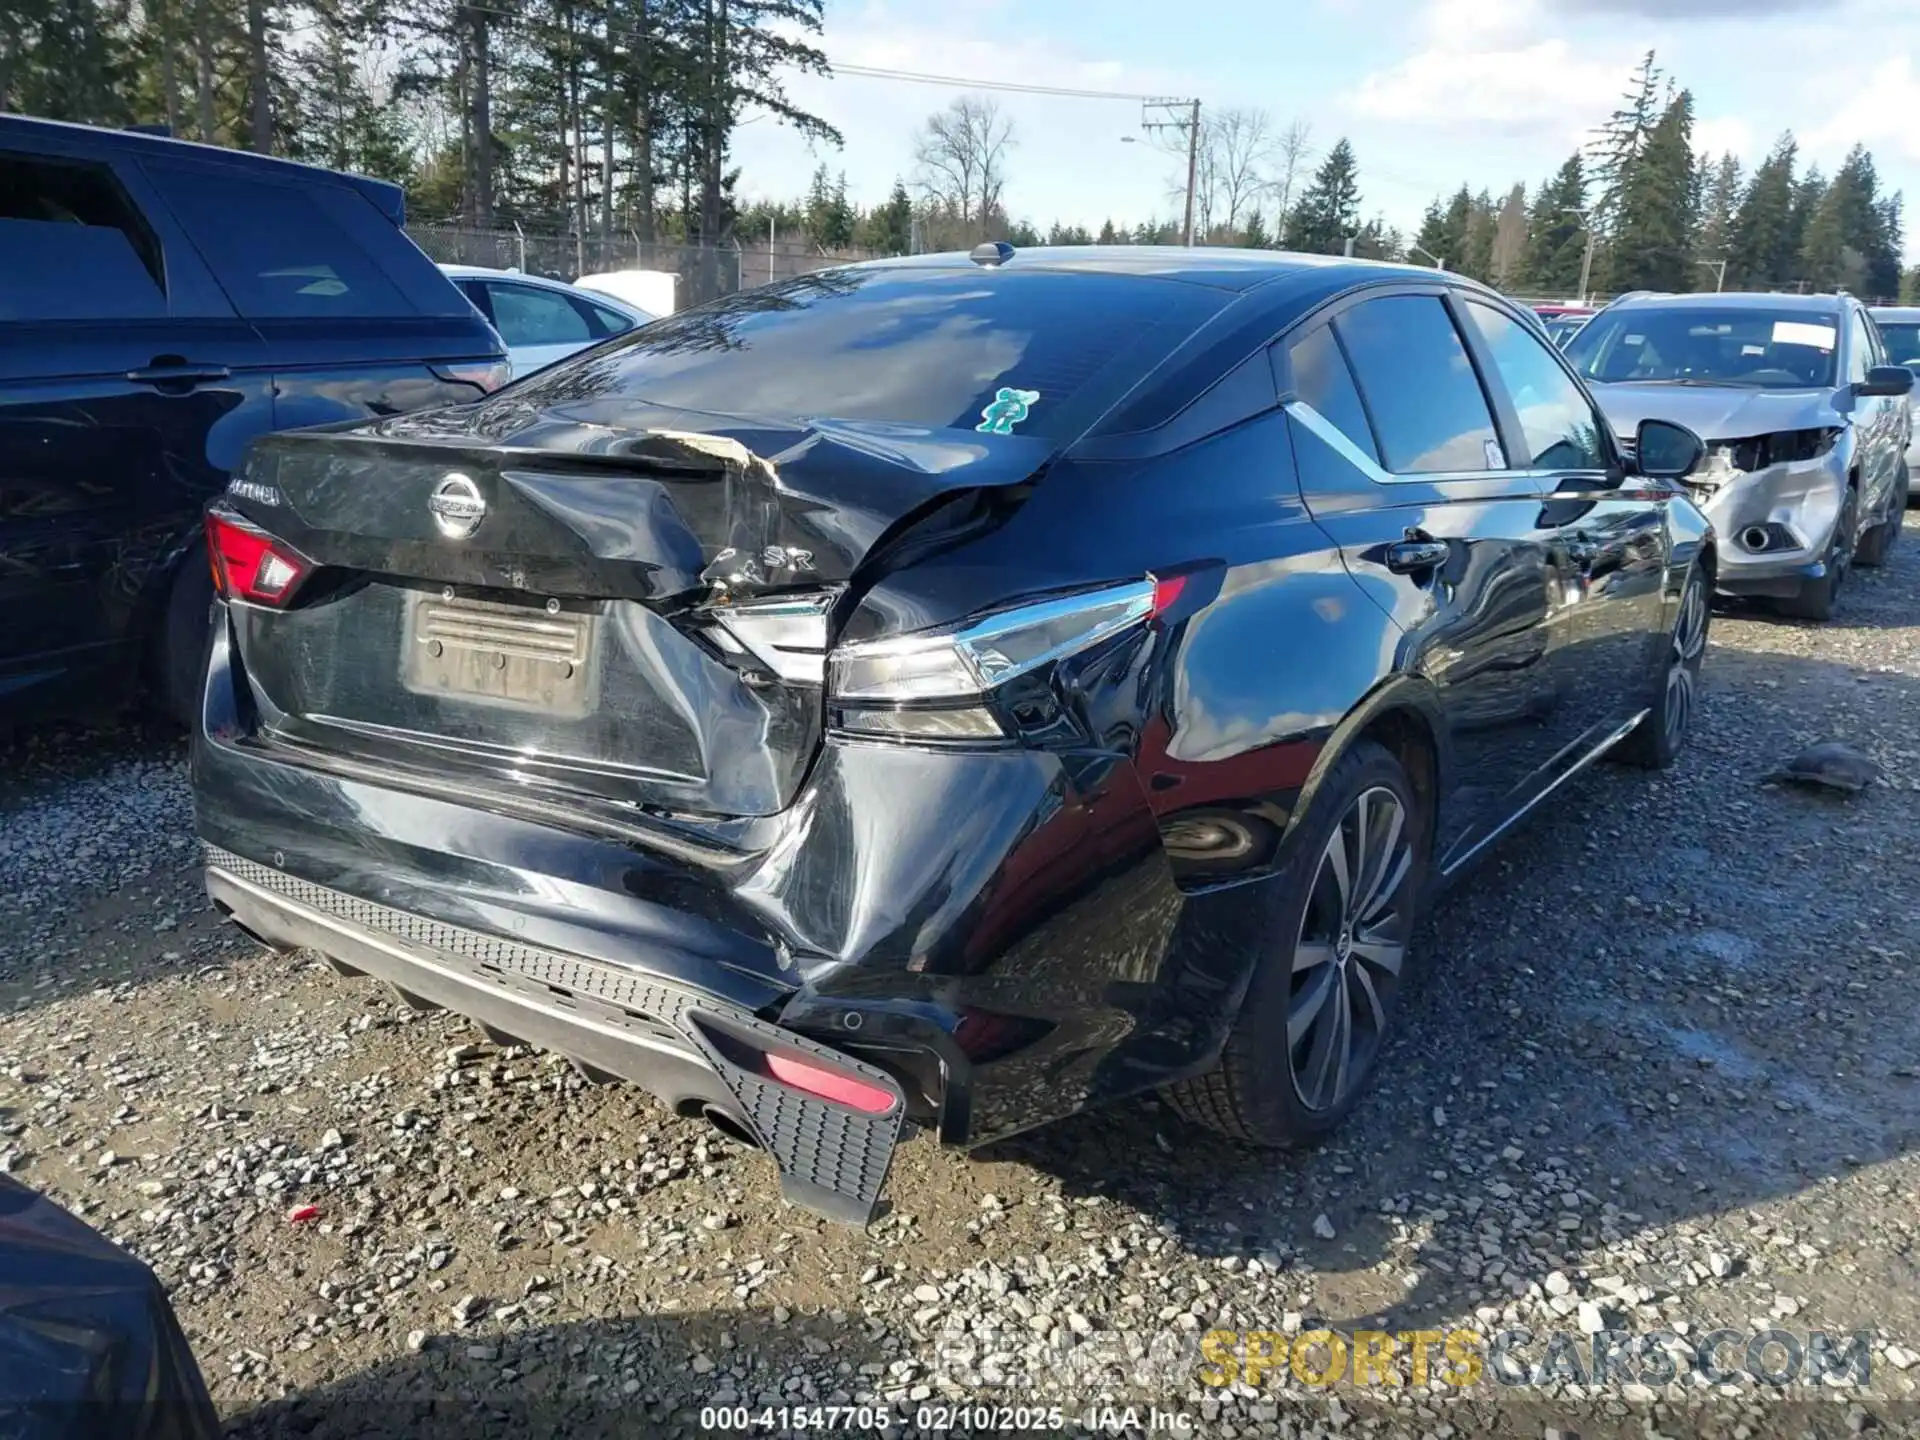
x=1683, y=664
x=1352, y=945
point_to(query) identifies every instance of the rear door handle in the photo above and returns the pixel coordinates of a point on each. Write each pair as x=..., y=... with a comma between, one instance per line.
x=1411, y=557
x=181, y=373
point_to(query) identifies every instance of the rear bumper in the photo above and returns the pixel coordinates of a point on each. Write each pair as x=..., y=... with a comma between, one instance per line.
x=999, y=931
x=670, y=1041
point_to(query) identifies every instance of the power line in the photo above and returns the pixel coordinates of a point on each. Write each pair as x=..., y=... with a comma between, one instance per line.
x=876, y=72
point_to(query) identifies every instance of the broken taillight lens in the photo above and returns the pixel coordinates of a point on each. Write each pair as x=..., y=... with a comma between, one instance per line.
x=931, y=684
x=249, y=564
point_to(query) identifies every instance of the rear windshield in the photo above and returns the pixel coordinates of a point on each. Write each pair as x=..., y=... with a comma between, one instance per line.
x=1704, y=345
x=1903, y=342
x=1004, y=352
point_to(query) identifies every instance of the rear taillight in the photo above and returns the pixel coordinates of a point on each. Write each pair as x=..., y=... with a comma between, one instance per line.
x=486, y=375
x=249, y=564
x=933, y=685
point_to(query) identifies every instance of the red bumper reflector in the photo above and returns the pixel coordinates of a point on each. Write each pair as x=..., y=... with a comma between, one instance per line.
x=1166, y=592
x=833, y=1085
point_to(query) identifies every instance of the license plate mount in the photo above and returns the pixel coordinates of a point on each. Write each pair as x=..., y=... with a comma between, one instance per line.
x=524, y=657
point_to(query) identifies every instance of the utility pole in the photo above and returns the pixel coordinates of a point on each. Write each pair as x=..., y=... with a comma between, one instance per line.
x=1173, y=120
x=1586, y=265
x=1439, y=261
x=1719, y=273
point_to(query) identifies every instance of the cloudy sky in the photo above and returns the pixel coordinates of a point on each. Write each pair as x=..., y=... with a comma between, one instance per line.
x=1431, y=92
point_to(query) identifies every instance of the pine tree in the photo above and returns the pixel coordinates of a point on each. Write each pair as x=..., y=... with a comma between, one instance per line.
x=1378, y=241
x=1556, y=235
x=889, y=229
x=1108, y=235
x=1763, y=249
x=1621, y=140
x=1808, y=192
x=1653, y=217
x=1255, y=236
x=1719, y=202
x=1888, y=245
x=1477, y=254
x=1443, y=230
x=1328, y=211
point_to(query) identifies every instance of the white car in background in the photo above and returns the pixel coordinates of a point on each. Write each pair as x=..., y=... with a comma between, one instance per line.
x=541, y=320
x=654, y=291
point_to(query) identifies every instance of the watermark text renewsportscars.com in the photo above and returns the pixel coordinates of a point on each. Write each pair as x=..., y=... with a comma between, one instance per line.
x=1167, y=1362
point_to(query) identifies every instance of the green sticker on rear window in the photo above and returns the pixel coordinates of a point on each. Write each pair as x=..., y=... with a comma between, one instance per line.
x=1008, y=409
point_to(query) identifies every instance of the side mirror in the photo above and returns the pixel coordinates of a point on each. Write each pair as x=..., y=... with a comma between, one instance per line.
x=1666, y=451
x=1885, y=380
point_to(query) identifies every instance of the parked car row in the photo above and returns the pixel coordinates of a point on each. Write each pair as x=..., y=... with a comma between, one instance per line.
x=1562, y=322
x=943, y=693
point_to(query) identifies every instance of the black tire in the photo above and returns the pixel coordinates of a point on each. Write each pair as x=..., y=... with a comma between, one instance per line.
x=1656, y=742
x=1818, y=598
x=1877, y=544
x=180, y=649
x=1258, y=1092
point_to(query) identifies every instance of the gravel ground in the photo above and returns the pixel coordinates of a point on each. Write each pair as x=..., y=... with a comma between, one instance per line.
x=1660, y=1079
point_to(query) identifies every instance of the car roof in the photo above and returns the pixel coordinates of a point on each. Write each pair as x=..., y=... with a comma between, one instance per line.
x=389, y=198
x=1908, y=313
x=1220, y=268
x=1734, y=300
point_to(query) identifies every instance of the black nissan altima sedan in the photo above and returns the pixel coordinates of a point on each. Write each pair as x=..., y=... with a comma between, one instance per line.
x=945, y=693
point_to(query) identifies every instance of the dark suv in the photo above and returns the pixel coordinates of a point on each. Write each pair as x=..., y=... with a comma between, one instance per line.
x=161, y=304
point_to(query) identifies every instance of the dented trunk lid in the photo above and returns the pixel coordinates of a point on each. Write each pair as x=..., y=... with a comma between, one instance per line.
x=514, y=595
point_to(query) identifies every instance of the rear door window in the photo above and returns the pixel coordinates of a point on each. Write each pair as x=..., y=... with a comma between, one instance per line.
x=1007, y=352
x=274, y=248
x=75, y=246
x=1420, y=386
x=1325, y=384
x=530, y=315
x=607, y=322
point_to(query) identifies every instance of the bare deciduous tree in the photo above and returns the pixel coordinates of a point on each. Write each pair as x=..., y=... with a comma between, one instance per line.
x=961, y=153
x=1236, y=155
x=1292, y=152
x=1510, y=236
x=1244, y=161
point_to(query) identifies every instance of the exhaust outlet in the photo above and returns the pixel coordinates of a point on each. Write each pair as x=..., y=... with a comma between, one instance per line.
x=1755, y=537
x=728, y=1125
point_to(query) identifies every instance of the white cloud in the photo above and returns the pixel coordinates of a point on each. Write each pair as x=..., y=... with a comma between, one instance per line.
x=1877, y=112
x=1512, y=88
x=1458, y=20
x=1717, y=135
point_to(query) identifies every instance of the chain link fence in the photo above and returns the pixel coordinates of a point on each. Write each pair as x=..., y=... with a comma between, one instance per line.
x=705, y=271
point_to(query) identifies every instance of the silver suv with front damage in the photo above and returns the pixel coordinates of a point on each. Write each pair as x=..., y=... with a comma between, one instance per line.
x=1805, y=420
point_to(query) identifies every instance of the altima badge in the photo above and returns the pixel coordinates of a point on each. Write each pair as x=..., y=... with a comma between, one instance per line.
x=457, y=506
